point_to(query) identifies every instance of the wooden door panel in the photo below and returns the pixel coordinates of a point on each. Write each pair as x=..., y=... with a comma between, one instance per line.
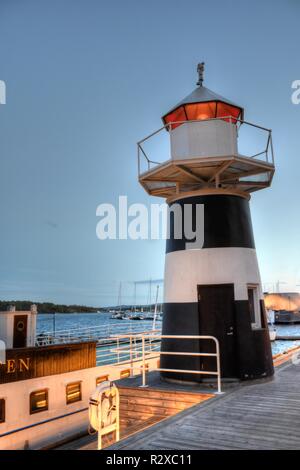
x=216, y=318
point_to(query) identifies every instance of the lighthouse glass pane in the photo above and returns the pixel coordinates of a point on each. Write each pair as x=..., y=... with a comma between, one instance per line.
x=38, y=401
x=227, y=110
x=199, y=111
x=2, y=410
x=177, y=115
x=73, y=392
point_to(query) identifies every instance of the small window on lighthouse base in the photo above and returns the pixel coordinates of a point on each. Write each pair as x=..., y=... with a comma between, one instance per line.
x=254, y=306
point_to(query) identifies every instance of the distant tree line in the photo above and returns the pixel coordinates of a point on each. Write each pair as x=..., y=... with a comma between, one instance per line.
x=47, y=307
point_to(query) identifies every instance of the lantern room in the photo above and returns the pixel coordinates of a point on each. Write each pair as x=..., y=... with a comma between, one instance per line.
x=204, y=148
x=202, y=104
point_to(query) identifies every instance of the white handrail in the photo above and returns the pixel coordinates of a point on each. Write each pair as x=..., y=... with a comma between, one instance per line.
x=145, y=355
x=136, y=348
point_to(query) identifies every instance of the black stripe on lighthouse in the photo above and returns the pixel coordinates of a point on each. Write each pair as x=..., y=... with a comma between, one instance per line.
x=227, y=222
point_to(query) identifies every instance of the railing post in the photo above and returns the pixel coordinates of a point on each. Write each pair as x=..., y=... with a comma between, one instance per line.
x=139, y=158
x=118, y=354
x=218, y=366
x=135, y=350
x=131, y=357
x=99, y=428
x=272, y=150
x=143, y=363
x=118, y=416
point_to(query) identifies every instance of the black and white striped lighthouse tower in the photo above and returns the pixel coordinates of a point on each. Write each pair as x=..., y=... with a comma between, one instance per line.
x=213, y=289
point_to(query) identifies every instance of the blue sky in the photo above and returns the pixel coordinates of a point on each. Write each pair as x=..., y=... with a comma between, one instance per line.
x=85, y=81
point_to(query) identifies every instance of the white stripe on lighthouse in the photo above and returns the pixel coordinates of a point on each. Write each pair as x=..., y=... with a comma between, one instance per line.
x=186, y=269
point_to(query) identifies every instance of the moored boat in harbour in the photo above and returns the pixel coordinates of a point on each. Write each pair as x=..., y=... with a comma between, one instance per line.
x=272, y=333
x=286, y=306
x=51, y=377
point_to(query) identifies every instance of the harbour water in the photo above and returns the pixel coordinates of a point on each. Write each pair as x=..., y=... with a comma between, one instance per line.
x=64, y=321
x=100, y=323
x=49, y=322
x=280, y=346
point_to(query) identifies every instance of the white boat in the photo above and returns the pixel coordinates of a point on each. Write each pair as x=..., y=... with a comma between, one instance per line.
x=136, y=317
x=118, y=316
x=148, y=316
x=47, y=379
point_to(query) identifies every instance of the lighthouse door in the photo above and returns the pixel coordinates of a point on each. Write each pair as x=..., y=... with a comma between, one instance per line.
x=216, y=318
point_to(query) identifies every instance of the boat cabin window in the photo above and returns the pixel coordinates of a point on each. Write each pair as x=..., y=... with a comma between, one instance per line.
x=101, y=379
x=2, y=410
x=73, y=392
x=124, y=373
x=38, y=401
x=254, y=306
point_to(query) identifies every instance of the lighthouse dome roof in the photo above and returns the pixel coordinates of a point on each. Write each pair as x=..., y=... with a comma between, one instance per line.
x=201, y=94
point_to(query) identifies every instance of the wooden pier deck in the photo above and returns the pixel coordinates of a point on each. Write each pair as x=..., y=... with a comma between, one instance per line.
x=252, y=416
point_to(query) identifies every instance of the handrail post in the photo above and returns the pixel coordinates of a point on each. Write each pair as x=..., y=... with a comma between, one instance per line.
x=218, y=366
x=99, y=429
x=131, y=357
x=272, y=150
x=144, y=363
x=138, y=159
x=118, y=415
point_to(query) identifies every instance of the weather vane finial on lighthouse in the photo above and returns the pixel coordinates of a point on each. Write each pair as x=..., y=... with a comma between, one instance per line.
x=200, y=70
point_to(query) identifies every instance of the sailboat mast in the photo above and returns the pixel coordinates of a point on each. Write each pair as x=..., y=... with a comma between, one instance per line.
x=120, y=296
x=155, y=308
x=134, y=296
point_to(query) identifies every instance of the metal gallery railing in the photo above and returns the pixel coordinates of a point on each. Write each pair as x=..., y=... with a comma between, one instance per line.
x=266, y=154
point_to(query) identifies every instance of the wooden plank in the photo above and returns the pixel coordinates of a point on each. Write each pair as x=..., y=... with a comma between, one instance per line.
x=180, y=405
x=161, y=393
x=167, y=400
x=141, y=409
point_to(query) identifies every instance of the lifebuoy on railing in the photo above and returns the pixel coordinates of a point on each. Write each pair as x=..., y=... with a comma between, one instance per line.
x=104, y=408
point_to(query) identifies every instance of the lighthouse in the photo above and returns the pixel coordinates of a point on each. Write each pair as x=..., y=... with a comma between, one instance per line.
x=213, y=289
